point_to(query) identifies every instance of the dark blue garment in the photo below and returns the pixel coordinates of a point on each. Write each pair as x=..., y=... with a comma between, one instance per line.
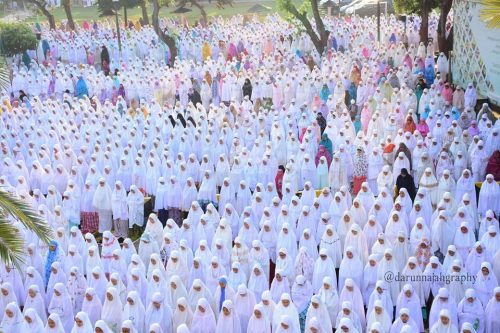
x=222, y=293
x=81, y=88
x=51, y=258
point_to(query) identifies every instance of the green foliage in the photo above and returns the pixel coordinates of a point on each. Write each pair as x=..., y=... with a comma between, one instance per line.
x=11, y=241
x=412, y=6
x=107, y=7
x=16, y=38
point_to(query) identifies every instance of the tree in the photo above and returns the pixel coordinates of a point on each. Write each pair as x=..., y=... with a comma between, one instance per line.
x=11, y=243
x=420, y=7
x=445, y=42
x=67, y=9
x=196, y=3
x=164, y=37
x=144, y=9
x=16, y=38
x=318, y=34
x=42, y=5
x=105, y=7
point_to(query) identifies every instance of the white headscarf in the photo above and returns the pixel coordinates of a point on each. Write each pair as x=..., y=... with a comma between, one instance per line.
x=203, y=318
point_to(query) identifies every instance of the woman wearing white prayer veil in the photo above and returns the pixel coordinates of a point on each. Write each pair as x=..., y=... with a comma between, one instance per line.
x=61, y=304
x=444, y=324
x=258, y=322
x=351, y=293
x=470, y=310
x=92, y=305
x=134, y=310
x=102, y=327
x=344, y=226
x=388, y=264
x=12, y=319
x=488, y=196
x=173, y=200
x=285, y=307
x=466, y=185
x=379, y=315
x=491, y=239
x=485, y=282
x=491, y=312
x=375, y=164
x=120, y=210
x=182, y=314
x=128, y=327
x=356, y=239
x=154, y=228
x=244, y=303
x=229, y=320
x=476, y=257
x=346, y=325
x=464, y=239
x=76, y=286
x=112, y=309
x=135, y=203
x=189, y=194
x=351, y=267
x=82, y=323
x=371, y=231
x=31, y=323
x=358, y=212
x=404, y=321
x=54, y=325
x=102, y=203
x=394, y=226
x=318, y=312
x=418, y=232
x=385, y=179
x=35, y=300
x=203, y=318
x=337, y=175
x=408, y=299
x=159, y=312
x=207, y=192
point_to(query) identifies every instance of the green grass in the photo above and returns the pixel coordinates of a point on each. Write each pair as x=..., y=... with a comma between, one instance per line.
x=90, y=13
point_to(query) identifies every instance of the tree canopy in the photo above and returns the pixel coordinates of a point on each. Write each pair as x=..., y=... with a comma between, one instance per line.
x=16, y=38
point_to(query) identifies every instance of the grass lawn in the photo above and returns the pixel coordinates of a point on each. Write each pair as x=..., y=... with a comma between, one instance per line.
x=90, y=13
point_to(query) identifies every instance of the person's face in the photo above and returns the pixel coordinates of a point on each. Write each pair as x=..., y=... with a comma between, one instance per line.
x=78, y=322
x=98, y=330
x=109, y=296
x=408, y=293
x=497, y=297
x=29, y=320
x=125, y=330
x=50, y=322
x=445, y=320
x=156, y=305
x=378, y=310
x=285, y=302
x=226, y=311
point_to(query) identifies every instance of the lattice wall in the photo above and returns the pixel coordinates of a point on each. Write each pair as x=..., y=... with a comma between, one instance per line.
x=467, y=63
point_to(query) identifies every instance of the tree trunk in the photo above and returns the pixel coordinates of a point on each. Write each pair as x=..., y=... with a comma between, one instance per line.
x=445, y=44
x=424, y=26
x=320, y=27
x=125, y=16
x=302, y=17
x=41, y=6
x=163, y=36
x=202, y=11
x=67, y=9
x=144, y=10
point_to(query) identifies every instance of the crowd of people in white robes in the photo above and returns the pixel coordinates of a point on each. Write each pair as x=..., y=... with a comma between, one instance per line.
x=291, y=191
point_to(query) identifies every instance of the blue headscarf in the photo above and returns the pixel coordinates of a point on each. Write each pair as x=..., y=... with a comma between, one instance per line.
x=51, y=258
x=325, y=92
x=222, y=292
x=81, y=88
